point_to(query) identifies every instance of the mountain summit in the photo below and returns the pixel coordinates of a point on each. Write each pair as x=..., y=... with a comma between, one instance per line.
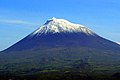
x=61, y=26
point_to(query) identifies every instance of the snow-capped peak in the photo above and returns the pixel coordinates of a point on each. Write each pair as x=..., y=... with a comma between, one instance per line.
x=60, y=25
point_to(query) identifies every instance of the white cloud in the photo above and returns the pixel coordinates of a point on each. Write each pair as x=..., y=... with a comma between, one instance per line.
x=17, y=22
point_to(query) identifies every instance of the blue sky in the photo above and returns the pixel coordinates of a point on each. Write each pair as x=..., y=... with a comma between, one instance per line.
x=18, y=18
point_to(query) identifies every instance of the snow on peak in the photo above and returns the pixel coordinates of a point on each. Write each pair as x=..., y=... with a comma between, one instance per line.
x=60, y=25
x=118, y=43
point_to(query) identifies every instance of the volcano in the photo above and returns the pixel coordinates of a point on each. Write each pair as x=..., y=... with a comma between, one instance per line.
x=60, y=45
x=62, y=33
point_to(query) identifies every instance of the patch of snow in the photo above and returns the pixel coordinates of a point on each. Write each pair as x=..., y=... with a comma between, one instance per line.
x=60, y=25
x=118, y=43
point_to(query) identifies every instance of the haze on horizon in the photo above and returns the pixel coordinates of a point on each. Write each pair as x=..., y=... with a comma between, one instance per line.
x=20, y=18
